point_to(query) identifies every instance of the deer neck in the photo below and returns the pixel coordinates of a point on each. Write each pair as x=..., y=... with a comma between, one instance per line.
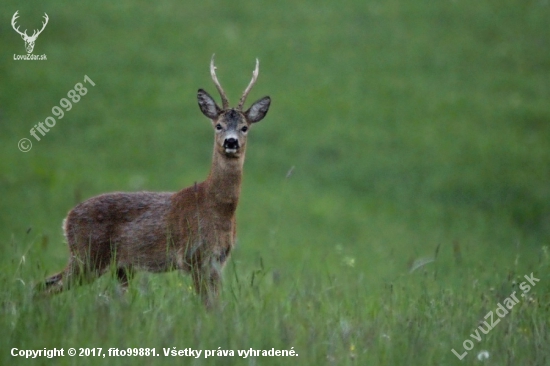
x=223, y=185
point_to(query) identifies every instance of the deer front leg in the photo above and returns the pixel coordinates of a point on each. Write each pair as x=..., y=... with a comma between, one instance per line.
x=207, y=280
x=124, y=275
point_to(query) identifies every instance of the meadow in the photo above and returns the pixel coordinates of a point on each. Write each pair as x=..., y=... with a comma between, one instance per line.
x=396, y=193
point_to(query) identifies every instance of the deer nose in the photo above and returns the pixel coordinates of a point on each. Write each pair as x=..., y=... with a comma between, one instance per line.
x=231, y=143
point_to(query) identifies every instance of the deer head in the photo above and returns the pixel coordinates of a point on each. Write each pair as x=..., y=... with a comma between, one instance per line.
x=29, y=40
x=232, y=124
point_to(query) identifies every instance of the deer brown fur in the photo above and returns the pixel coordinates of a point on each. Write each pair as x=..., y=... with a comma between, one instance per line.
x=191, y=230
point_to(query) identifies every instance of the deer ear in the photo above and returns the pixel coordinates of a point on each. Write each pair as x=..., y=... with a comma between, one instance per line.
x=207, y=105
x=258, y=110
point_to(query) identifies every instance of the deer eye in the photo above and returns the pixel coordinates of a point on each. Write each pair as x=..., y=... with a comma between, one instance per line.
x=244, y=129
x=219, y=127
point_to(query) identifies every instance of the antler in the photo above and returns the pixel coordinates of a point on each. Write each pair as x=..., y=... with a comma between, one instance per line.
x=13, y=19
x=43, y=26
x=34, y=34
x=225, y=102
x=249, y=87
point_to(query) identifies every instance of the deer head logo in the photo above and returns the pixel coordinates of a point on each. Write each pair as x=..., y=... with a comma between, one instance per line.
x=29, y=40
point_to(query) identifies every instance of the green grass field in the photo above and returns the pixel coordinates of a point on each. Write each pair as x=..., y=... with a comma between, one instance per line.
x=417, y=134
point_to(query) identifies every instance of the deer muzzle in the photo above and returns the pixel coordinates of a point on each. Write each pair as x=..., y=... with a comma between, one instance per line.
x=231, y=145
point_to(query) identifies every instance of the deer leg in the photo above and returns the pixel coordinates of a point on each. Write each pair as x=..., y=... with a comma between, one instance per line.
x=124, y=275
x=207, y=281
x=61, y=281
x=77, y=272
x=51, y=285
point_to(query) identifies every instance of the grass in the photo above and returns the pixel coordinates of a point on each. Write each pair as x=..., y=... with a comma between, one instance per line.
x=415, y=130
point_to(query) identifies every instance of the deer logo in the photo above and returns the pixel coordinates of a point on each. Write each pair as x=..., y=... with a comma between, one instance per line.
x=29, y=40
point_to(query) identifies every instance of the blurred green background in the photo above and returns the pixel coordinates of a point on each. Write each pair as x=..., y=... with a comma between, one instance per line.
x=407, y=126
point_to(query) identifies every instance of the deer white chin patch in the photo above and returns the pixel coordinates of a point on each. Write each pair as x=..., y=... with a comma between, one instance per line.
x=230, y=151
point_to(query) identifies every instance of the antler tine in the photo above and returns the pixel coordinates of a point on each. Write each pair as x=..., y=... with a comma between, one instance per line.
x=249, y=87
x=225, y=102
x=13, y=19
x=43, y=24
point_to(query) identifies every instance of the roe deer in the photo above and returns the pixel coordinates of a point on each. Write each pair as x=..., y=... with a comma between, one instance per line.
x=192, y=230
